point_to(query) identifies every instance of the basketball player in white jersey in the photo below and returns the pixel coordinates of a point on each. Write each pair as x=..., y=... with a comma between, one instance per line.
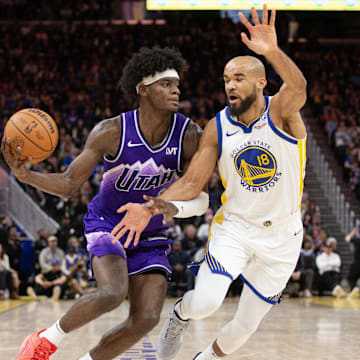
x=258, y=143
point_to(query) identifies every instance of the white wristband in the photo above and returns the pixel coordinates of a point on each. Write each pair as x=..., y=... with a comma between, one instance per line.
x=194, y=207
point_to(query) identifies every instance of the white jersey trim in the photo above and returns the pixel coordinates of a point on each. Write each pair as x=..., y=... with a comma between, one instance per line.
x=164, y=143
x=122, y=141
x=282, y=133
x=153, y=266
x=182, y=135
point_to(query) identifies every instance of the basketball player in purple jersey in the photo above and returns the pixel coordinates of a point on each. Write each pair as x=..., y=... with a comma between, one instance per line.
x=143, y=151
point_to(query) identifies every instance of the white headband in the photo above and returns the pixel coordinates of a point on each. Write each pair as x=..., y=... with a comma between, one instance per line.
x=148, y=80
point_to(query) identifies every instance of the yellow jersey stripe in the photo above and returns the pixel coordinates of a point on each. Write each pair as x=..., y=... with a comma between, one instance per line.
x=223, y=195
x=302, y=162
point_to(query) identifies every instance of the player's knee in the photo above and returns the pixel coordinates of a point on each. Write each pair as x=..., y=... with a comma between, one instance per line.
x=204, y=307
x=146, y=321
x=110, y=298
x=245, y=326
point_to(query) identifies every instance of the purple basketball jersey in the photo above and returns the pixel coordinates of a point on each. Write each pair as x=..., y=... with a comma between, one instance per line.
x=137, y=169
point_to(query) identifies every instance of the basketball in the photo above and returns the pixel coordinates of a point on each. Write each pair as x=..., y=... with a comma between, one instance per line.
x=34, y=131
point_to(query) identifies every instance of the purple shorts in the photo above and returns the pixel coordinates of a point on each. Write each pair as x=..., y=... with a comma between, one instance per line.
x=139, y=259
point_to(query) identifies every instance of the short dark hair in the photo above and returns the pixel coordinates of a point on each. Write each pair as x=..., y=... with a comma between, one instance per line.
x=148, y=61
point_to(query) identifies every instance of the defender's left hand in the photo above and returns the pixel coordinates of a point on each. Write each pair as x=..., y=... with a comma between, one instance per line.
x=263, y=36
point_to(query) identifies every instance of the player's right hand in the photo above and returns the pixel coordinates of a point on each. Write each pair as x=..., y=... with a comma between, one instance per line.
x=160, y=206
x=17, y=166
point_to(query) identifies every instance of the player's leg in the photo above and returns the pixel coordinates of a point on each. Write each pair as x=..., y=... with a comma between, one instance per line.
x=147, y=293
x=265, y=277
x=110, y=269
x=112, y=286
x=196, y=304
x=251, y=310
x=200, y=302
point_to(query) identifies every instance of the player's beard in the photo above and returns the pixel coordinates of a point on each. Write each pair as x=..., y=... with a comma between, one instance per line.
x=244, y=105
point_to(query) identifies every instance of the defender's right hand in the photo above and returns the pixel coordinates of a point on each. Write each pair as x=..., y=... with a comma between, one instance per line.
x=160, y=206
x=17, y=166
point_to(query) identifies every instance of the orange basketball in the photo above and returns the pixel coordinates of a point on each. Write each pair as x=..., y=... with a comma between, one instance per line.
x=34, y=131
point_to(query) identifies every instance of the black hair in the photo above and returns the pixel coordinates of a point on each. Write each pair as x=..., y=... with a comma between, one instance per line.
x=148, y=62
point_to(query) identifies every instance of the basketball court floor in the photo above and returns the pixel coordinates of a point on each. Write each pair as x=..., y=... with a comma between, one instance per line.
x=297, y=329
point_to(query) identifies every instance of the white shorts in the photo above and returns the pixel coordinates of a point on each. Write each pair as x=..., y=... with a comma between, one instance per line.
x=264, y=257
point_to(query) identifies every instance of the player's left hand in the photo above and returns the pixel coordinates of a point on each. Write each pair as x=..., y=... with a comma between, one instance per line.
x=135, y=221
x=262, y=35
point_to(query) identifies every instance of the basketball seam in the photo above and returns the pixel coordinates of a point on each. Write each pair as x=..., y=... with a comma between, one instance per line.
x=47, y=151
x=23, y=157
x=55, y=126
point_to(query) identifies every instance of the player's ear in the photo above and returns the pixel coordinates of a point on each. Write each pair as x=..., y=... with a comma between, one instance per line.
x=143, y=90
x=261, y=83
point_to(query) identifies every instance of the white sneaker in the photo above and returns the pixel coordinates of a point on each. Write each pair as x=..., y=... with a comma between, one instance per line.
x=56, y=293
x=31, y=292
x=307, y=293
x=338, y=291
x=171, y=335
x=354, y=293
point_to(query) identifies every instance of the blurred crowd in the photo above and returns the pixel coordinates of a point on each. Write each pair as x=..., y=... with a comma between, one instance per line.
x=335, y=100
x=55, y=9
x=72, y=72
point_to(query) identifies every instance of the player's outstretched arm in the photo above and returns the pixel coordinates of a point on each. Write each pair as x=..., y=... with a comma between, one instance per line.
x=66, y=184
x=200, y=168
x=292, y=96
x=187, y=187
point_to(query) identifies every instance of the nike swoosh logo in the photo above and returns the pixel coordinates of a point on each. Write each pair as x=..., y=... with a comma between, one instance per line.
x=298, y=232
x=130, y=144
x=231, y=134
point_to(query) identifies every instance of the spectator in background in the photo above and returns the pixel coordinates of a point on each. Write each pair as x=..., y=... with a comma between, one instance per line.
x=13, y=248
x=307, y=265
x=5, y=223
x=75, y=271
x=355, y=178
x=198, y=257
x=328, y=264
x=332, y=242
x=79, y=251
x=312, y=208
x=8, y=277
x=304, y=202
x=174, y=230
x=320, y=241
x=331, y=118
x=50, y=253
x=215, y=191
x=342, y=141
x=39, y=244
x=314, y=230
x=190, y=241
x=65, y=231
x=307, y=221
x=354, y=274
x=294, y=284
x=178, y=259
x=52, y=283
x=204, y=228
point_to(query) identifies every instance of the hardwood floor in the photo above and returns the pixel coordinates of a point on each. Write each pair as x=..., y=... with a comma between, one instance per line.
x=319, y=328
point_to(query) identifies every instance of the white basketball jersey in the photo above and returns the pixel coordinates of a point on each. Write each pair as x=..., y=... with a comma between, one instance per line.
x=262, y=168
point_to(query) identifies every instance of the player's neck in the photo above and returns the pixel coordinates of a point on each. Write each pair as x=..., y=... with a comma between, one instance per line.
x=154, y=124
x=253, y=113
